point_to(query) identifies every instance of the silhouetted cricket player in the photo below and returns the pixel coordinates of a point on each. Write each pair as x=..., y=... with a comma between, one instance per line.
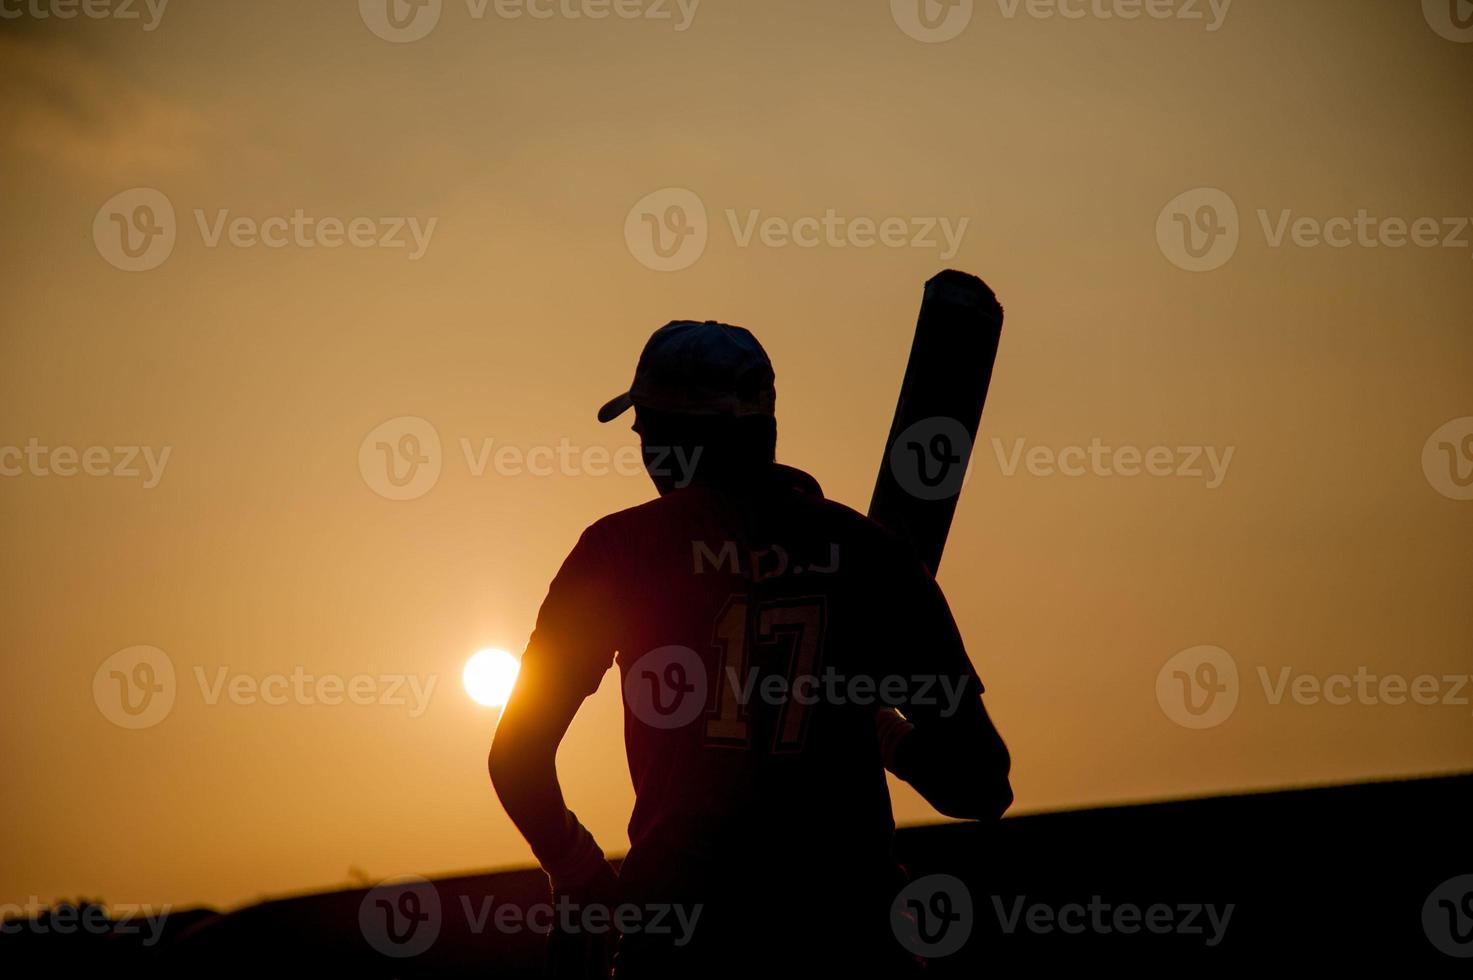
x=778, y=651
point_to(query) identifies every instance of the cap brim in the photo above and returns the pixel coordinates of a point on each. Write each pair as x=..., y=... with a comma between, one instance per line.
x=615, y=407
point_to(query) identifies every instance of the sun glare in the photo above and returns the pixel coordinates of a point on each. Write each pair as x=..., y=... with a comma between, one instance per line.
x=489, y=675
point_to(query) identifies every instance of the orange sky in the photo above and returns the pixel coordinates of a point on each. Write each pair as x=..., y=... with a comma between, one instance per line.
x=258, y=547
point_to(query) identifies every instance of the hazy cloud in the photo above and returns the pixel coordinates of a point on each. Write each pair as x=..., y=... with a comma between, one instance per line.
x=84, y=114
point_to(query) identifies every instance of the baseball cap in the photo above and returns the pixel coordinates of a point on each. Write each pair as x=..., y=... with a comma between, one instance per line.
x=696, y=368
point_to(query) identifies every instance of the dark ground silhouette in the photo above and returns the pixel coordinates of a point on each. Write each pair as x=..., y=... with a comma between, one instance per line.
x=1321, y=878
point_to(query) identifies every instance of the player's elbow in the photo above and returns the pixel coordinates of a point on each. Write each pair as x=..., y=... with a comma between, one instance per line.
x=999, y=801
x=998, y=788
x=519, y=760
x=505, y=763
x=984, y=800
x=984, y=795
x=964, y=774
x=497, y=765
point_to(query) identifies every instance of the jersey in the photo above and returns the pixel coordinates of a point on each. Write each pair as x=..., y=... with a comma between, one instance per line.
x=757, y=629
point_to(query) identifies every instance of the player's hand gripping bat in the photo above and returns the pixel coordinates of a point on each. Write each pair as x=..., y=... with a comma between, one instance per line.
x=931, y=437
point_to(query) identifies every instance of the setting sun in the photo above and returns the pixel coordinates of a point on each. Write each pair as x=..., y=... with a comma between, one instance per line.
x=489, y=675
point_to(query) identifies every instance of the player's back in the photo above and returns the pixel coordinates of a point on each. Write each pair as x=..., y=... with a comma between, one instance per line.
x=756, y=628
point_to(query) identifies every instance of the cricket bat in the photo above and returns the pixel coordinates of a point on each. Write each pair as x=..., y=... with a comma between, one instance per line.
x=939, y=412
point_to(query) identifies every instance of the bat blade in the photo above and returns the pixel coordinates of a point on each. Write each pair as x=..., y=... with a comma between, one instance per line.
x=939, y=412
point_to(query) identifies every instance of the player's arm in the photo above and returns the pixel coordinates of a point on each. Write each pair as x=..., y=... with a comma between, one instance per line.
x=523, y=767
x=568, y=653
x=942, y=741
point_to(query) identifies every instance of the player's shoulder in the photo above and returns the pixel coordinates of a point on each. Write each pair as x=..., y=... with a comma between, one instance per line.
x=630, y=520
x=842, y=519
x=823, y=516
x=640, y=527
x=880, y=551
